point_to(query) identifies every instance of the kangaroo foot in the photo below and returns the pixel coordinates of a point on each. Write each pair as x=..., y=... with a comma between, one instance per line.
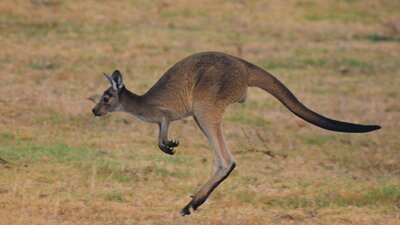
x=194, y=204
x=186, y=210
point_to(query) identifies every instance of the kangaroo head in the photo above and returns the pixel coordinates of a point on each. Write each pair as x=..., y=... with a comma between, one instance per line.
x=110, y=101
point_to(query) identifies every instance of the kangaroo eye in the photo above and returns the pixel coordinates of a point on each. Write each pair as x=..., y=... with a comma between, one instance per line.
x=105, y=100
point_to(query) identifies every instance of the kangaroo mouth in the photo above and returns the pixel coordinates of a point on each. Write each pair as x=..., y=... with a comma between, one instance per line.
x=96, y=113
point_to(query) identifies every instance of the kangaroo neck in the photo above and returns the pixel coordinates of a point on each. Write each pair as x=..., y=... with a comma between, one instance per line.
x=130, y=101
x=134, y=104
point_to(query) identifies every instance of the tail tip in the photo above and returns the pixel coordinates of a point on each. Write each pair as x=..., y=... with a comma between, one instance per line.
x=374, y=127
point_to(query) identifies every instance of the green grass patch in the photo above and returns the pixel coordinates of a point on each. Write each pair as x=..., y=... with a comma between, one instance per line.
x=177, y=159
x=44, y=64
x=246, y=197
x=7, y=137
x=15, y=138
x=160, y=170
x=382, y=38
x=51, y=117
x=61, y=153
x=384, y=196
x=240, y=116
x=337, y=62
x=275, y=63
x=318, y=140
x=120, y=178
x=39, y=30
x=345, y=12
x=174, y=13
x=116, y=197
x=321, y=62
x=354, y=63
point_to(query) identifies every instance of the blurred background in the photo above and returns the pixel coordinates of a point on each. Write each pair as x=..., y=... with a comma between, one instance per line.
x=340, y=58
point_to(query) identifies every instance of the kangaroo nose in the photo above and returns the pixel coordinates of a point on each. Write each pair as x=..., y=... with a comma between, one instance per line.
x=94, y=112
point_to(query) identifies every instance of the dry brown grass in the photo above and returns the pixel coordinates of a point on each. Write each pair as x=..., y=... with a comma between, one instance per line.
x=341, y=58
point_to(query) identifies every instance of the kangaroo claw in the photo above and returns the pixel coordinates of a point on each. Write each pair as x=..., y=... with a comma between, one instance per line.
x=169, y=146
x=194, y=204
x=167, y=149
x=173, y=143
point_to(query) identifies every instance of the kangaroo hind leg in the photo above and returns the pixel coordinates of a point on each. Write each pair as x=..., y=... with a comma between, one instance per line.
x=225, y=163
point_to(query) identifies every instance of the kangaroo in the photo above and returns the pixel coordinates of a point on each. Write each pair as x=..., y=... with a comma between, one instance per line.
x=203, y=85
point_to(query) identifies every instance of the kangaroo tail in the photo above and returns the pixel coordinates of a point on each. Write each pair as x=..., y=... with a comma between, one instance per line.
x=264, y=80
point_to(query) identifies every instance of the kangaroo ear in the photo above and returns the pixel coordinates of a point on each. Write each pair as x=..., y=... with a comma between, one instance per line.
x=112, y=82
x=117, y=77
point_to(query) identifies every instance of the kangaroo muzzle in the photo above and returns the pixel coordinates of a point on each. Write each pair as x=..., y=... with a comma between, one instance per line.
x=97, y=112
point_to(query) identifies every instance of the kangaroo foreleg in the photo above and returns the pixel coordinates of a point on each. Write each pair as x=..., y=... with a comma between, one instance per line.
x=164, y=144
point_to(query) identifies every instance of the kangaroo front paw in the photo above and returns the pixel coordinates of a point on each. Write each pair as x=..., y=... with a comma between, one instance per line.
x=169, y=146
x=167, y=149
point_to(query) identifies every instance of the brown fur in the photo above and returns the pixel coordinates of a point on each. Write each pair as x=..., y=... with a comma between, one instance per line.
x=203, y=85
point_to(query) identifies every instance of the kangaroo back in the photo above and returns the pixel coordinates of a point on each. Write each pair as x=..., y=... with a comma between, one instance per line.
x=264, y=80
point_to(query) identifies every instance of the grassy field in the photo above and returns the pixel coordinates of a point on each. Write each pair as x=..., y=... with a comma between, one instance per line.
x=341, y=58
